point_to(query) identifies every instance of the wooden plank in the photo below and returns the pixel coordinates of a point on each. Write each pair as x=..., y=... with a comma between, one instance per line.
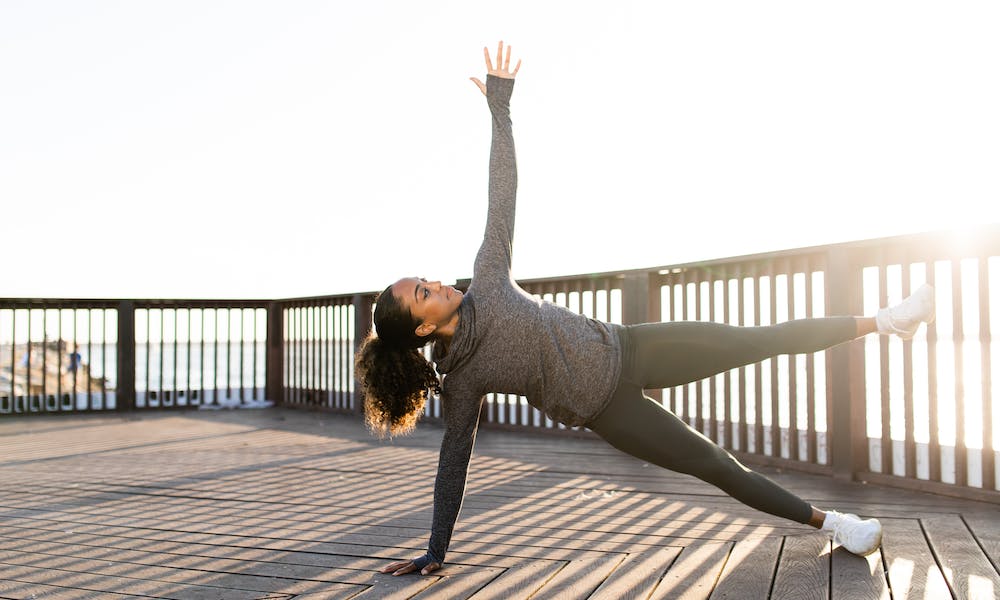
x=968, y=571
x=803, y=568
x=749, y=572
x=855, y=577
x=108, y=575
x=132, y=587
x=986, y=530
x=694, y=574
x=913, y=572
x=391, y=587
x=220, y=562
x=19, y=590
x=579, y=578
x=458, y=582
x=636, y=575
x=520, y=581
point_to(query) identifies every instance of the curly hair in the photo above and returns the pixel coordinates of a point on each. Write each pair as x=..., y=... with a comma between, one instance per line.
x=395, y=377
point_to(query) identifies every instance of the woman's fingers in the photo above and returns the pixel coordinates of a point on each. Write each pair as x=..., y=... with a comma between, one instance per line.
x=395, y=566
x=407, y=566
x=502, y=68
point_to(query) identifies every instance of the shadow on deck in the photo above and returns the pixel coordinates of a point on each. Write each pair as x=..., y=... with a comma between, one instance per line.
x=283, y=504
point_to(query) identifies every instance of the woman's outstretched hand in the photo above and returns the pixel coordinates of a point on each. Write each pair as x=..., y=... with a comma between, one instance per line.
x=502, y=69
x=407, y=566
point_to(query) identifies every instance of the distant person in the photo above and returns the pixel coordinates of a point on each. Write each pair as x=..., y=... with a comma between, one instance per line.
x=578, y=371
x=74, y=362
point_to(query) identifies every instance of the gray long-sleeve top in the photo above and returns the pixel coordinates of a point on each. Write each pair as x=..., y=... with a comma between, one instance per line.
x=506, y=341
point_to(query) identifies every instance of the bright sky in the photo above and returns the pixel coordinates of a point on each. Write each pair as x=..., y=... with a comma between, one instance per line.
x=267, y=149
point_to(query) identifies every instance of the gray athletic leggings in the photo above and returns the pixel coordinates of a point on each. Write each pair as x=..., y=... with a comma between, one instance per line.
x=663, y=355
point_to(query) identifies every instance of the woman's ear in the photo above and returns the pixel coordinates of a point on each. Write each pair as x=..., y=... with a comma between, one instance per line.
x=425, y=329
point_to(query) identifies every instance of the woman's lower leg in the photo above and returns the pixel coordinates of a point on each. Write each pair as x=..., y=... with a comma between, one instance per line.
x=641, y=427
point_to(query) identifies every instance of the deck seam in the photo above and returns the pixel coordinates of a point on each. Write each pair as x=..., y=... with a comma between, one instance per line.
x=937, y=559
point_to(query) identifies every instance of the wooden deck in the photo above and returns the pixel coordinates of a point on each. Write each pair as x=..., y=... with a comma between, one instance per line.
x=283, y=504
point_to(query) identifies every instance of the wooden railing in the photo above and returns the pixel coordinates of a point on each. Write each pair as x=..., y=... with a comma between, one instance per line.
x=914, y=414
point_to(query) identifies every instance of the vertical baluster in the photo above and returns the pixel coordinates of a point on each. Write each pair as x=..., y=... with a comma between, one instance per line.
x=217, y=335
x=256, y=341
x=682, y=409
x=773, y=363
x=934, y=444
x=27, y=392
x=958, y=341
x=314, y=345
x=790, y=268
x=229, y=353
x=323, y=356
x=187, y=363
x=758, y=427
x=43, y=405
x=342, y=396
x=60, y=350
x=713, y=420
x=243, y=357
x=727, y=377
x=331, y=355
x=201, y=359
x=104, y=358
x=146, y=394
x=173, y=394
x=90, y=357
x=13, y=358
x=699, y=416
x=741, y=317
x=306, y=353
x=300, y=352
x=811, y=450
x=988, y=452
x=286, y=347
x=883, y=300
x=909, y=443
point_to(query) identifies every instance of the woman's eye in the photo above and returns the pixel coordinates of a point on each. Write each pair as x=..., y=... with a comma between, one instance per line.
x=427, y=292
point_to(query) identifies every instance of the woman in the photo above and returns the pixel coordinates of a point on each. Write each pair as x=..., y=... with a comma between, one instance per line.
x=578, y=371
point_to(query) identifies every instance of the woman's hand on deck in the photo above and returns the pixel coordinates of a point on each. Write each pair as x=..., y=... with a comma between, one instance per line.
x=502, y=68
x=407, y=566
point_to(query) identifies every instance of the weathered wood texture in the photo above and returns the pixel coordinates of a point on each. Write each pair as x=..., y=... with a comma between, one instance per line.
x=282, y=504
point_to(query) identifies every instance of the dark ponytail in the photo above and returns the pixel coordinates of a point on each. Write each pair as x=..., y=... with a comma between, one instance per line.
x=395, y=377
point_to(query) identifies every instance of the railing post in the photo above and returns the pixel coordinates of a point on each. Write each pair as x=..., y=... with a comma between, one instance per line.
x=640, y=298
x=125, y=392
x=641, y=304
x=362, y=328
x=848, y=433
x=274, y=383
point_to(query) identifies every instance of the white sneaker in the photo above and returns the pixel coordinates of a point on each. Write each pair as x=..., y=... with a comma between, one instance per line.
x=904, y=318
x=856, y=536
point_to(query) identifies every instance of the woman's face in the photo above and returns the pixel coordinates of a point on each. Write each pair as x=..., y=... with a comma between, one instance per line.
x=429, y=302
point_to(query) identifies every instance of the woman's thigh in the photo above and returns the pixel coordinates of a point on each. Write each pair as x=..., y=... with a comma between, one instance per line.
x=670, y=354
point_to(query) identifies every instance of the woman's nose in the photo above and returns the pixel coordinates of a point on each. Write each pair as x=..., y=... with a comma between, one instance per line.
x=436, y=285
